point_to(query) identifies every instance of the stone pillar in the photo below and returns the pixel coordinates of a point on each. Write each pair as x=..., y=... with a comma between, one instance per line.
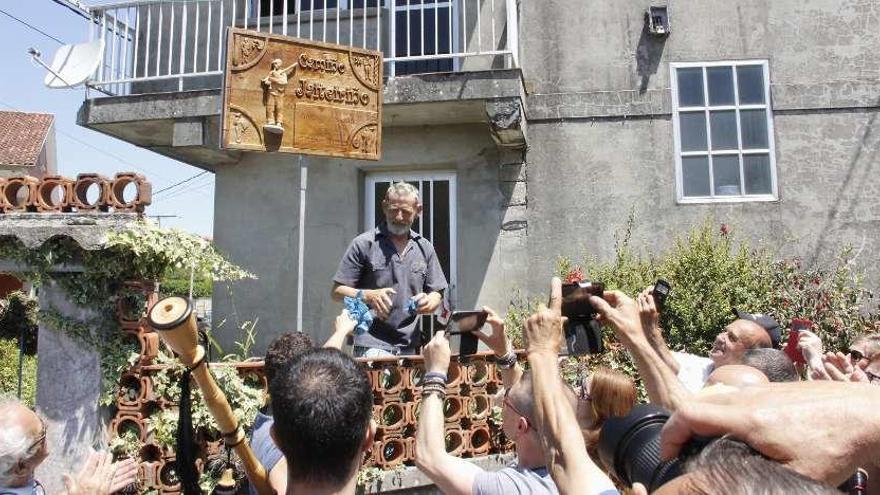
x=68, y=387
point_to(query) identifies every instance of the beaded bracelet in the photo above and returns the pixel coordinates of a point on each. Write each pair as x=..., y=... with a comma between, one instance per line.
x=433, y=389
x=436, y=374
x=434, y=382
x=506, y=361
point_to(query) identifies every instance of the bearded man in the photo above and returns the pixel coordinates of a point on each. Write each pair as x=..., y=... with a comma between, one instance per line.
x=395, y=271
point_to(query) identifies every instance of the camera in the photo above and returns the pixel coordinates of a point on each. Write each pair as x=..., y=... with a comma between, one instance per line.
x=629, y=446
x=661, y=291
x=583, y=334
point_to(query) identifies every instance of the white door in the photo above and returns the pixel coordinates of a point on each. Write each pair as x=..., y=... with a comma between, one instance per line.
x=437, y=223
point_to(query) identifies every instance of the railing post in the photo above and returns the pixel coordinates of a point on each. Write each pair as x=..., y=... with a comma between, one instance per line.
x=392, y=36
x=513, y=32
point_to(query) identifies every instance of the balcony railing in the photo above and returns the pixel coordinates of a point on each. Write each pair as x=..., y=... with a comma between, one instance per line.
x=176, y=45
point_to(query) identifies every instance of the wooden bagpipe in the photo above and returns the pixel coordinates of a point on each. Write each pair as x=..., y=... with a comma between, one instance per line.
x=175, y=322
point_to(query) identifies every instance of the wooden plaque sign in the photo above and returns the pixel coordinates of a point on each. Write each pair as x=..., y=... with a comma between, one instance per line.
x=298, y=96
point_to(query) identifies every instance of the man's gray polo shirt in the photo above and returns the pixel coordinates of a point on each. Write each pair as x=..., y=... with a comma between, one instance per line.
x=372, y=262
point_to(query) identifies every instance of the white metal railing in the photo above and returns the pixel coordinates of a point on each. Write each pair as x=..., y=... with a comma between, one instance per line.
x=175, y=45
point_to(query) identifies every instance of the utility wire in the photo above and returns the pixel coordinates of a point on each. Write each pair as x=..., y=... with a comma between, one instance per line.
x=198, y=188
x=184, y=181
x=194, y=187
x=75, y=8
x=99, y=150
x=31, y=26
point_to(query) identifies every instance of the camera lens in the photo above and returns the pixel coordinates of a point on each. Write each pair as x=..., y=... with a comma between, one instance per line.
x=630, y=447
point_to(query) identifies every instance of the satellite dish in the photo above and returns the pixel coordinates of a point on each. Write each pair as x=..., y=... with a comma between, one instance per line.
x=74, y=64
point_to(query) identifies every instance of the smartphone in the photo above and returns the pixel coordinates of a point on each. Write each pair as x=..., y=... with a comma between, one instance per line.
x=794, y=335
x=576, y=299
x=463, y=322
x=661, y=291
x=583, y=334
x=584, y=337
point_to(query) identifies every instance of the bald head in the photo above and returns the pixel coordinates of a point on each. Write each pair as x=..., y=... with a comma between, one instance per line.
x=20, y=431
x=737, y=375
x=736, y=339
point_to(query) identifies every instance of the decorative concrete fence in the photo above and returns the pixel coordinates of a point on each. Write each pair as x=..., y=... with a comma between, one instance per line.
x=125, y=192
x=396, y=382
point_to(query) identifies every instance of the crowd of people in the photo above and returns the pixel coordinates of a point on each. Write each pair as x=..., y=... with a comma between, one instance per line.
x=743, y=420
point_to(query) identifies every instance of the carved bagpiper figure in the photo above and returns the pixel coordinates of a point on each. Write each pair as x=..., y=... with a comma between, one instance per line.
x=276, y=84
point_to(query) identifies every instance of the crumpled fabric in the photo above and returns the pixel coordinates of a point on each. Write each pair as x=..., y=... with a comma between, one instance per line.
x=360, y=312
x=412, y=306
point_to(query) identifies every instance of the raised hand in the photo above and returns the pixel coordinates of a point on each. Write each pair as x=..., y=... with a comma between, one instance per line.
x=543, y=330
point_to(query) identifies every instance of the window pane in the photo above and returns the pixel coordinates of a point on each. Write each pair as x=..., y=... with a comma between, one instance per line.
x=725, y=171
x=690, y=87
x=754, y=129
x=720, y=85
x=750, y=83
x=695, y=175
x=756, y=169
x=693, y=131
x=723, y=130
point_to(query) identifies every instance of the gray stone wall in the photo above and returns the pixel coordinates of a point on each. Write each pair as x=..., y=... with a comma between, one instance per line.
x=601, y=138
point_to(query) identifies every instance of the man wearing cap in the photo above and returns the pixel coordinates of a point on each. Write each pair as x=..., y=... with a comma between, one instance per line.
x=748, y=331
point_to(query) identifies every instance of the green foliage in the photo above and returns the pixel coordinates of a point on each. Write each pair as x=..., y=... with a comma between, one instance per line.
x=139, y=252
x=176, y=283
x=711, y=273
x=9, y=373
x=18, y=316
x=244, y=398
x=126, y=445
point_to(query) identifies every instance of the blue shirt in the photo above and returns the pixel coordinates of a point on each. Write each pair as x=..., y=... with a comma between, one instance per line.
x=265, y=450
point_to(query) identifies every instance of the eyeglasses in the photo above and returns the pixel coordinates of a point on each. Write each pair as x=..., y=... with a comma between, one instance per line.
x=44, y=428
x=509, y=404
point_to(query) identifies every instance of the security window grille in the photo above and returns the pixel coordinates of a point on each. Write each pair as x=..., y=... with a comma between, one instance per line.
x=277, y=6
x=723, y=128
x=437, y=223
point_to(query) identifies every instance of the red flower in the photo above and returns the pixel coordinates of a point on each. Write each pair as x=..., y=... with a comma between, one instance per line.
x=725, y=229
x=574, y=276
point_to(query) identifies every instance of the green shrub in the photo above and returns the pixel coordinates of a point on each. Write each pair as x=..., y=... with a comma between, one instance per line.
x=18, y=316
x=176, y=283
x=711, y=273
x=9, y=373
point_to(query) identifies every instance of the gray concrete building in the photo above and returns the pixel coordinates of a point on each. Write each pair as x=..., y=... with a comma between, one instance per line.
x=533, y=128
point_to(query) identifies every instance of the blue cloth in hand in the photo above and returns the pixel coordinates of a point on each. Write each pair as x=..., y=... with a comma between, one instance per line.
x=360, y=312
x=412, y=306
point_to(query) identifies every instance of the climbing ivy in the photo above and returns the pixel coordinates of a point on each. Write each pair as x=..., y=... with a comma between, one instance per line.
x=96, y=282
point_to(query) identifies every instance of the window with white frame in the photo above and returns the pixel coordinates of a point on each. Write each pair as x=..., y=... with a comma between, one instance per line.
x=723, y=128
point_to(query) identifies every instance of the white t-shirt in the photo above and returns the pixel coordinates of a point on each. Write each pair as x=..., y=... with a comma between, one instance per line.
x=693, y=371
x=516, y=480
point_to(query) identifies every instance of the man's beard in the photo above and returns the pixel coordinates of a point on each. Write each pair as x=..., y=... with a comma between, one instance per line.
x=398, y=229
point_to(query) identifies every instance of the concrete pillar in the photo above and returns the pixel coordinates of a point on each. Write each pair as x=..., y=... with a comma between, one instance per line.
x=68, y=388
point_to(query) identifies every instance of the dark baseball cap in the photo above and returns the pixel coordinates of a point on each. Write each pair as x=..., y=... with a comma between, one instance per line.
x=767, y=322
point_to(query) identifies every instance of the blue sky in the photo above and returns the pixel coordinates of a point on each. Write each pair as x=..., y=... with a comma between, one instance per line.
x=80, y=149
